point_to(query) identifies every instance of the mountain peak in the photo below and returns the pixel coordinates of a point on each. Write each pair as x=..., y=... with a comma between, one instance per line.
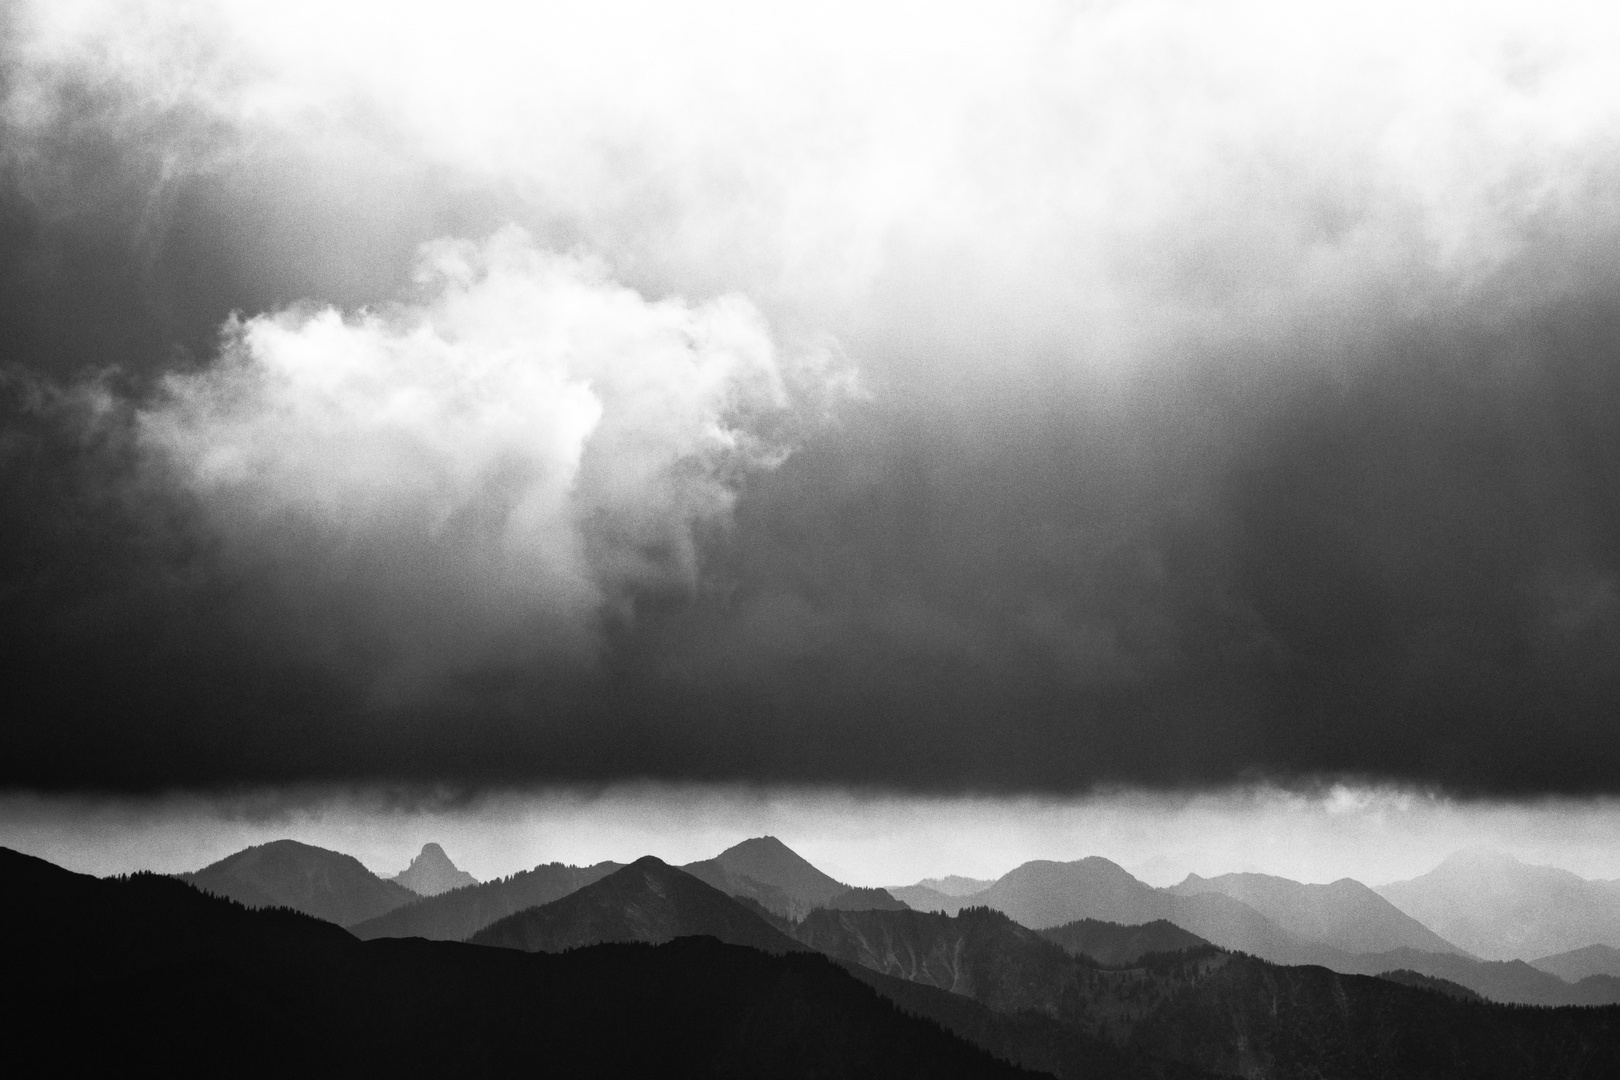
x=286, y=873
x=767, y=859
x=432, y=873
x=649, y=900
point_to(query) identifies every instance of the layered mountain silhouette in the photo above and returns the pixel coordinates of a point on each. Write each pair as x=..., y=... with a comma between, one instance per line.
x=1428, y=982
x=432, y=873
x=648, y=901
x=986, y=956
x=924, y=897
x=1511, y=982
x=1499, y=908
x=956, y=885
x=1344, y=914
x=284, y=873
x=1044, y=894
x=458, y=915
x=148, y=975
x=788, y=887
x=768, y=871
x=948, y=894
x=1112, y=943
x=1230, y=1014
x=1578, y=964
x=864, y=899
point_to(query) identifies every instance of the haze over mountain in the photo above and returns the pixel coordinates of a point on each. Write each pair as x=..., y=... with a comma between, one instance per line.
x=1344, y=914
x=1042, y=894
x=924, y=898
x=1578, y=964
x=956, y=884
x=285, y=873
x=647, y=901
x=768, y=871
x=1497, y=907
x=457, y=915
x=432, y=873
x=1230, y=1014
x=1511, y=982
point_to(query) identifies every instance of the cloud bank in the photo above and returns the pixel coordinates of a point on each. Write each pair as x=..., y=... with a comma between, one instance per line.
x=1238, y=394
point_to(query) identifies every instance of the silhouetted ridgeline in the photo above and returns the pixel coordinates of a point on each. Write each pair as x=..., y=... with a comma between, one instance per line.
x=458, y=915
x=148, y=975
x=1226, y=1013
x=284, y=873
x=1111, y=943
x=648, y=900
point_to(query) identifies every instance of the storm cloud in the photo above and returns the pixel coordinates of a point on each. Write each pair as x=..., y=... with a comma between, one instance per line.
x=1136, y=393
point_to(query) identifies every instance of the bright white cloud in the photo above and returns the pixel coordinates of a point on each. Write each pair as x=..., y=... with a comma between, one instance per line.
x=488, y=467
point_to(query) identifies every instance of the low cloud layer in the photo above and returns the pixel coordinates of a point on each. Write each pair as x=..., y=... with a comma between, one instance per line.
x=1235, y=394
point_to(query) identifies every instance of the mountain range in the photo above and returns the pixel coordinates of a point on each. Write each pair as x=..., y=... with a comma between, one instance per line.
x=779, y=878
x=649, y=901
x=461, y=913
x=1578, y=964
x=1087, y=998
x=1499, y=908
x=146, y=974
x=1344, y=925
x=1345, y=914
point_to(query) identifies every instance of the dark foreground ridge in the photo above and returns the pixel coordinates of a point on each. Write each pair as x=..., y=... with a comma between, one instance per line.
x=146, y=974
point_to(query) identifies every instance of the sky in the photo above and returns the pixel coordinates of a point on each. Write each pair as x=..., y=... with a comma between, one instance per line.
x=1101, y=404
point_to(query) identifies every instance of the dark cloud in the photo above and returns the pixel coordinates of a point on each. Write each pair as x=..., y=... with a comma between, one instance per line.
x=1213, y=525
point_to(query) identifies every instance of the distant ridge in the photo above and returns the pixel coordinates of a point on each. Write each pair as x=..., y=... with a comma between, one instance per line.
x=1499, y=908
x=1578, y=964
x=285, y=873
x=461, y=913
x=1345, y=914
x=770, y=872
x=432, y=873
x=1044, y=894
x=956, y=885
x=648, y=901
x=921, y=897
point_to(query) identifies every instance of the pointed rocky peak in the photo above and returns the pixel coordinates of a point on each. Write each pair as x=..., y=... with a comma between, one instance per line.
x=432, y=873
